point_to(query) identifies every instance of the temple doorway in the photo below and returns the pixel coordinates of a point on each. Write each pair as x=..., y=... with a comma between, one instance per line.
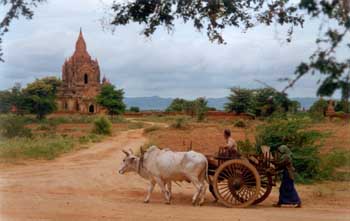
x=91, y=109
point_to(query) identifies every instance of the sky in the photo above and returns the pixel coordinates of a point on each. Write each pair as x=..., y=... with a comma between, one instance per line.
x=180, y=64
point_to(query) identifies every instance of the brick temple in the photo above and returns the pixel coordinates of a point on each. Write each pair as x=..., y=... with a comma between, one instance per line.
x=80, y=82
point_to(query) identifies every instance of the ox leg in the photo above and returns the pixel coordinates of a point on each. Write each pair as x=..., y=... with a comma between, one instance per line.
x=168, y=185
x=162, y=185
x=198, y=186
x=202, y=194
x=150, y=190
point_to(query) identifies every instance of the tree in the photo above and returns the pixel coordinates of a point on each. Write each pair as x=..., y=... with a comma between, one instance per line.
x=201, y=108
x=134, y=109
x=216, y=15
x=240, y=101
x=197, y=107
x=15, y=9
x=5, y=102
x=269, y=100
x=112, y=99
x=39, y=98
x=177, y=105
x=12, y=98
x=260, y=102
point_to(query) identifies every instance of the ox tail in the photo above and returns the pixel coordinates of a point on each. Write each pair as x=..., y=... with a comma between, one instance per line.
x=205, y=172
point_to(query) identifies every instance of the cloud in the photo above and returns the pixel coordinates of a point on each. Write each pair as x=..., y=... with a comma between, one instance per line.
x=182, y=64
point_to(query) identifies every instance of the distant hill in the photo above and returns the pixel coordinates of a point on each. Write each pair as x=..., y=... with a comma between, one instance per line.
x=159, y=103
x=148, y=103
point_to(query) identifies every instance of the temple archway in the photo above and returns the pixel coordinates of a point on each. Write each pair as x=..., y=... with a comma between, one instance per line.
x=86, y=78
x=91, y=109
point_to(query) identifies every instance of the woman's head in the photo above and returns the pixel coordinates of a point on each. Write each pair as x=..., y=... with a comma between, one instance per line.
x=285, y=152
x=227, y=133
x=283, y=149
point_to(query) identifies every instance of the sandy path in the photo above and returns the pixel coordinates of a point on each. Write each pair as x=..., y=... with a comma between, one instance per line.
x=85, y=186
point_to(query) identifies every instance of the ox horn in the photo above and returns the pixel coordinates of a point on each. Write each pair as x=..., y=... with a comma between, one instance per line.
x=126, y=152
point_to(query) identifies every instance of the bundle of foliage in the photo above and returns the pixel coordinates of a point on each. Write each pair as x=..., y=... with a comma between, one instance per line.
x=112, y=99
x=14, y=126
x=102, y=126
x=259, y=102
x=134, y=109
x=303, y=144
x=318, y=109
x=197, y=107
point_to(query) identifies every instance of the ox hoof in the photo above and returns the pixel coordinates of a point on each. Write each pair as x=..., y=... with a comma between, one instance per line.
x=146, y=201
x=168, y=202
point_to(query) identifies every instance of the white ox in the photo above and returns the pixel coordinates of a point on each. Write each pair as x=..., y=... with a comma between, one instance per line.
x=164, y=166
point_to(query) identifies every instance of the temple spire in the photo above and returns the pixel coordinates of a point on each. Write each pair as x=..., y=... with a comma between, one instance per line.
x=80, y=45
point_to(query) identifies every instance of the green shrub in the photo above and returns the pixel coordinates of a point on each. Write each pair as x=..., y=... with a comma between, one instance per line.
x=102, y=126
x=239, y=123
x=14, y=126
x=179, y=123
x=302, y=142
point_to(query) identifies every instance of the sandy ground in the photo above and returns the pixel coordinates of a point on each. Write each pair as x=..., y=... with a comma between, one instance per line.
x=86, y=186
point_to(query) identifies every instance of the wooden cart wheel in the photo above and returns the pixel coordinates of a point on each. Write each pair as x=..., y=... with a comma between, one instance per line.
x=265, y=187
x=236, y=183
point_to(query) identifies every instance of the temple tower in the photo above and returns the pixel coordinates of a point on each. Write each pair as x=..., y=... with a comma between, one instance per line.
x=80, y=81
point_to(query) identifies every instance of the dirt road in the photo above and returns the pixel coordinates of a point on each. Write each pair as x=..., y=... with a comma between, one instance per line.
x=85, y=186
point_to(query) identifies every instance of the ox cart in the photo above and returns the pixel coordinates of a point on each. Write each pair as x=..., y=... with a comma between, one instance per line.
x=240, y=181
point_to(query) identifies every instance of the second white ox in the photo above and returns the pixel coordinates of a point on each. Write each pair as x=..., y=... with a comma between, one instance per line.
x=164, y=166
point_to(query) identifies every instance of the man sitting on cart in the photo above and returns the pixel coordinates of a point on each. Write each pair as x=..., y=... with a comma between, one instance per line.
x=231, y=145
x=230, y=150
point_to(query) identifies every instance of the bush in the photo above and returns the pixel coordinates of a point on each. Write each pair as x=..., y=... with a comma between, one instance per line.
x=179, y=123
x=102, y=126
x=302, y=142
x=239, y=123
x=14, y=126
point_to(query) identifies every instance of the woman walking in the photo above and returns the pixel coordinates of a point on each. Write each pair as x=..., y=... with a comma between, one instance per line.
x=288, y=193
